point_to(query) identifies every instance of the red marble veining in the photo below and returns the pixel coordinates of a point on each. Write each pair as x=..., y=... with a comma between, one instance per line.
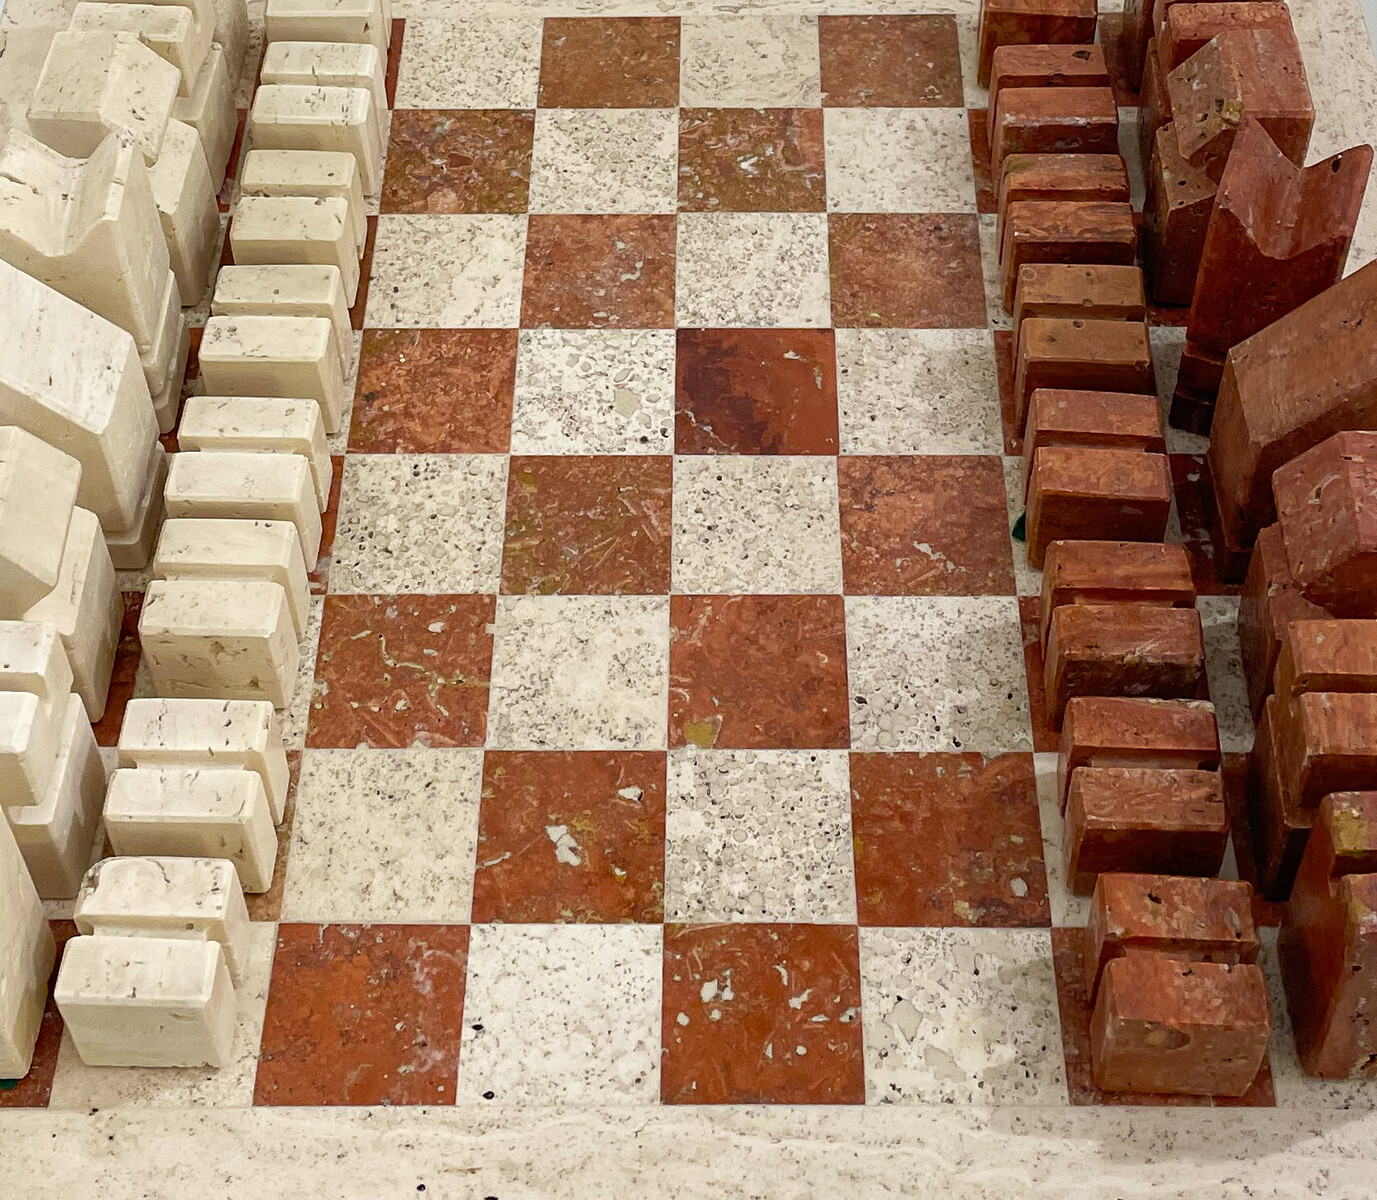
x=947, y=839
x=434, y=391
x=740, y=1015
x=755, y=391
x=931, y=525
x=915, y=271
x=758, y=672
x=612, y=804
x=364, y=1015
x=610, y=62
x=588, y=525
x=398, y=671
x=596, y=272
x=751, y=160
x=458, y=161
x=890, y=62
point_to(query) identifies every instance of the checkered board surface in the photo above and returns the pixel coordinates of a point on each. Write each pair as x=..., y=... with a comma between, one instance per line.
x=670, y=726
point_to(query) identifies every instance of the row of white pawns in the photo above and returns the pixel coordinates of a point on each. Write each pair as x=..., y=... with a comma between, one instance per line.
x=108, y=225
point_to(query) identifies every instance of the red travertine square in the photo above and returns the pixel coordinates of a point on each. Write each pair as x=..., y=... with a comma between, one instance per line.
x=1079, y=354
x=1306, y=376
x=1062, y=120
x=1163, y=1025
x=1327, y=506
x=1176, y=219
x=1031, y=22
x=1112, y=420
x=1328, y=944
x=1110, y=731
x=1328, y=743
x=1279, y=825
x=1243, y=72
x=1079, y=492
x=1101, y=178
x=1269, y=603
x=1197, y=920
x=1079, y=231
x=1185, y=28
x=1139, y=819
x=1327, y=656
x=1122, y=650
x=1081, y=572
x=1278, y=236
x=1044, y=66
x=1093, y=292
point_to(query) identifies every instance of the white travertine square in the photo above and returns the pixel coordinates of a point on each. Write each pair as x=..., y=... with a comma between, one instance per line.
x=87, y=608
x=38, y=490
x=209, y=109
x=248, y=487
x=146, y=1002
x=26, y=960
x=275, y=230
x=194, y=812
x=287, y=290
x=328, y=64
x=195, y=898
x=87, y=228
x=263, y=424
x=172, y=32
x=219, y=637
x=93, y=82
x=164, y=358
x=287, y=357
x=297, y=117
x=239, y=733
x=330, y=21
x=74, y=380
x=217, y=548
x=320, y=173
x=29, y=734
x=55, y=835
x=185, y=197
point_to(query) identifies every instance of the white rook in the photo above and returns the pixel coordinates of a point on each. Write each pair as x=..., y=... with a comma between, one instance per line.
x=226, y=549
x=56, y=835
x=272, y=230
x=147, y=1001
x=194, y=812
x=321, y=173
x=296, y=117
x=222, y=733
x=248, y=487
x=26, y=961
x=219, y=637
x=264, y=425
x=287, y=357
x=38, y=491
x=93, y=82
x=287, y=290
x=87, y=610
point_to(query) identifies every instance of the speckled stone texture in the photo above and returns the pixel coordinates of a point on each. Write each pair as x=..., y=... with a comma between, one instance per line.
x=671, y=577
